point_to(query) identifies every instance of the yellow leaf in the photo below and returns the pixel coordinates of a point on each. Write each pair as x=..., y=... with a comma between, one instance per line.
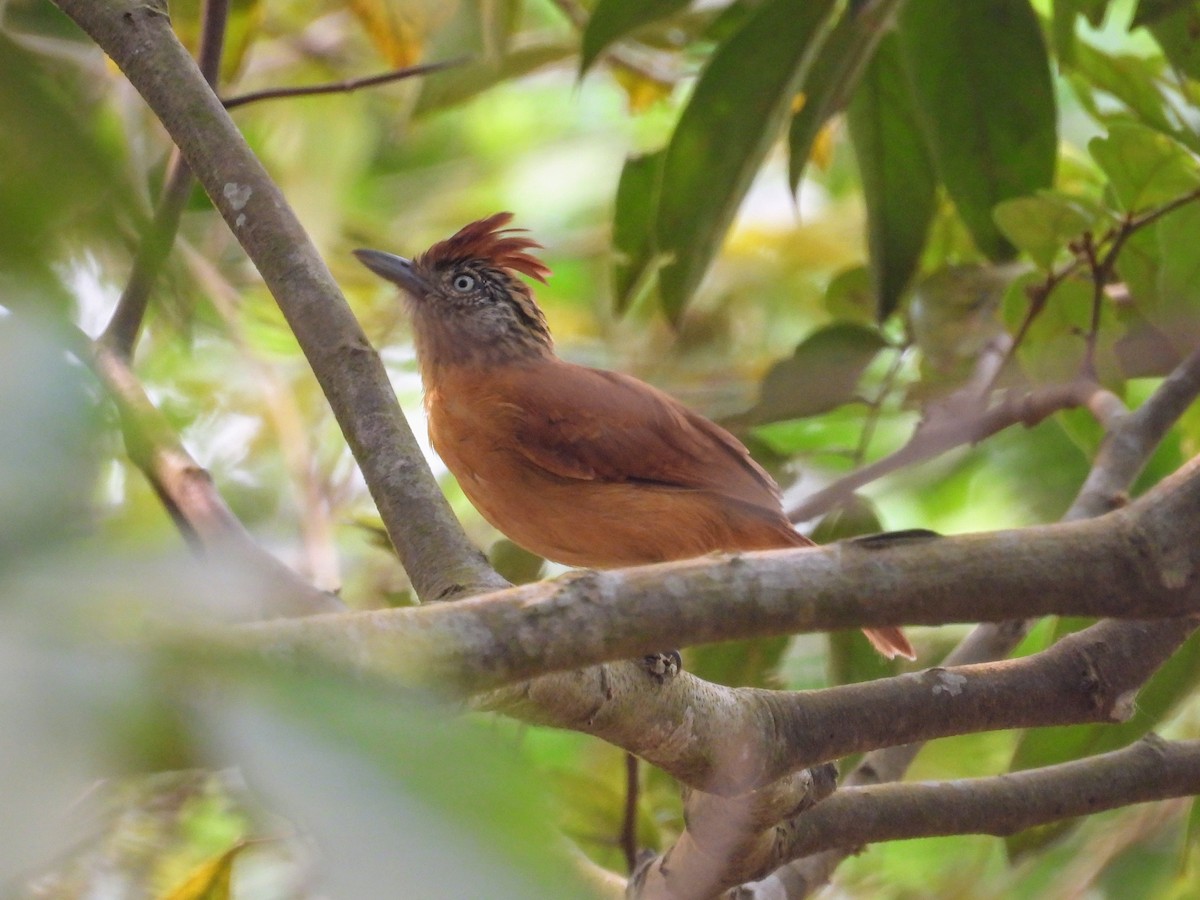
x=821, y=154
x=211, y=880
x=399, y=29
x=641, y=90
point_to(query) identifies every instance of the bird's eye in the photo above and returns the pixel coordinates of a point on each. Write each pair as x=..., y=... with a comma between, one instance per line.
x=463, y=282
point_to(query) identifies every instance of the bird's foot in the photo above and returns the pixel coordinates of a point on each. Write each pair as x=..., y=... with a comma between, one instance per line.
x=663, y=666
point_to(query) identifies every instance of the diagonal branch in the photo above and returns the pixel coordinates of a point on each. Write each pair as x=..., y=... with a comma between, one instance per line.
x=155, y=244
x=951, y=429
x=1130, y=441
x=188, y=493
x=437, y=555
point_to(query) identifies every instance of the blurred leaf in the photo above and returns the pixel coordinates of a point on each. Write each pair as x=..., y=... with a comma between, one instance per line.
x=1176, y=307
x=1151, y=11
x=459, y=84
x=723, y=135
x=61, y=173
x=1146, y=168
x=850, y=298
x=1063, y=24
x=356, y=764
x=1043, y=225
x=48, y=458
x=1161, y=696
x=633, y=242
x=1178, y=33
x=982, y=85
x=399, y=29
x=611, y=20
x=753, y=663
x=822, y=373
x=641, y=91
x=898, y=181
x=954, y=312
x=833, y=77
x=515, y=563
x=211, y=880
x=1131, y=79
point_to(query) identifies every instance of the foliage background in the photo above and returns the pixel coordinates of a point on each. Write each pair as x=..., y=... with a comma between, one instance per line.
x=89, y=556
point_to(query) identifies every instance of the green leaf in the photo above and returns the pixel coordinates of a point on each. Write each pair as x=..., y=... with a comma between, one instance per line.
x=723, y=135
x=1151, y=11
x=1179, y=36
x=514, y=562
x=953, y=313
x=982, y=83
x=1131, y=79
x=822, y=373
x=1144, y=166
x=453, y=86
x=613, y=19
x=633, y=241
x=1043, y=225
x=1177, y=311
x=833, y=77
x=1162, y=694
x=899, y=185
x=753, y=663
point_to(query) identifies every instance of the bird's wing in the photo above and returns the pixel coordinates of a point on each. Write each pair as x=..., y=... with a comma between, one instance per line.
x=583, y=423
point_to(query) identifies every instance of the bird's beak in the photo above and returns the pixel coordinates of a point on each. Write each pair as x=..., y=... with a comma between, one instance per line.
x=395, y=269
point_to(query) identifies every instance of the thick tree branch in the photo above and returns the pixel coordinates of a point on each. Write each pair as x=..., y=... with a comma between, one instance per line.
x=1151, y=769
x=1139, y=562
x=136, y=34
x=1131, y=439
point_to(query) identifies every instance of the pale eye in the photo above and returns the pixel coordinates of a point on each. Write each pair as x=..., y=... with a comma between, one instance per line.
x=463, y=282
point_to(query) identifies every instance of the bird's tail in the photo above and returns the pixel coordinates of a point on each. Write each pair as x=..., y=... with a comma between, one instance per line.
x=890, y=641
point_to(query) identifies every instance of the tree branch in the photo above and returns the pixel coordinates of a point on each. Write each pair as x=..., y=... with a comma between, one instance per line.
x=345, y=86
x=188, y=493
x=1131, y=439
x=435, y=552
x=1151, y=769
x=155, y=244
x=1139, y=562
x=954, y=428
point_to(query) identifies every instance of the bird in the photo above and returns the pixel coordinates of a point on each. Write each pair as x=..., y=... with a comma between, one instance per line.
x=583, y=466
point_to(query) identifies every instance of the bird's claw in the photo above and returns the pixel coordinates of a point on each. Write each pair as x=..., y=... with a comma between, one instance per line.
x=663, y=666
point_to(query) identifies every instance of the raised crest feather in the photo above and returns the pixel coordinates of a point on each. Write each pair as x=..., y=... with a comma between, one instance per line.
x=489, y=240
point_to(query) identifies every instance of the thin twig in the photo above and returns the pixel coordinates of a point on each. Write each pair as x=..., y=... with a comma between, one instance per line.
x=876, y=407
x=156, y=241
x=948, y=430
x=345, y=86
x=1112, y=242
x=628, y=838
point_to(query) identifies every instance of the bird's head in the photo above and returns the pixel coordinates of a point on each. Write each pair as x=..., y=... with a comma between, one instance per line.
x=465, y=296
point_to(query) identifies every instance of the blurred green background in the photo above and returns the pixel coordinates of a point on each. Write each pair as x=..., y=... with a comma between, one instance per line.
x=831, y=320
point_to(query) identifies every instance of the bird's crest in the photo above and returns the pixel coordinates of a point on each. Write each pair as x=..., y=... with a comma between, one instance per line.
x=488, y=240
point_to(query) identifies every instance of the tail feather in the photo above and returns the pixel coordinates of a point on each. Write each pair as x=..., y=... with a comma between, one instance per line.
x=890, y=641
x=773, y=531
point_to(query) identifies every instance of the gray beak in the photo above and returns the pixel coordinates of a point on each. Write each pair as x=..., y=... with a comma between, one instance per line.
x=395, y=269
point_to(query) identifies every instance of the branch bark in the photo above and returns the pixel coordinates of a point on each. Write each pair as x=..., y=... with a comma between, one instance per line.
x=1139, y=562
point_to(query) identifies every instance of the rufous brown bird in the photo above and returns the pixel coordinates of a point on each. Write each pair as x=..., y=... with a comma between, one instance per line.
x=582, y=466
